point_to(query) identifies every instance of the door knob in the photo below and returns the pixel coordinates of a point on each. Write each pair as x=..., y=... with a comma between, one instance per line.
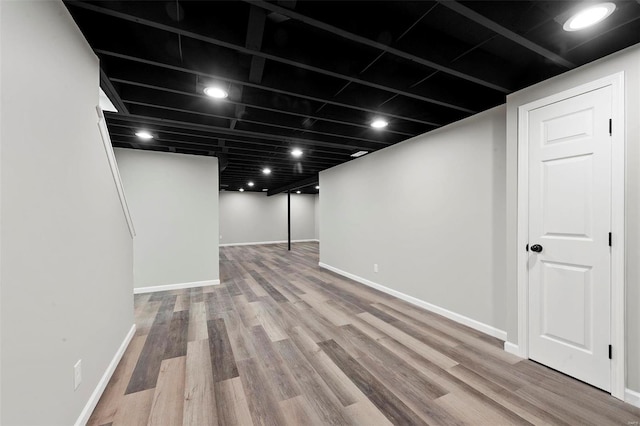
x=537, y=248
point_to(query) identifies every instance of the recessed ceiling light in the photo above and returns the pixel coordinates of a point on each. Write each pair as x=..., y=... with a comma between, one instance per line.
x=241, y=189
x=266, y=171
x=589, y=16
x=317, y=186
x=250, y=183
x=216, y=92
x=359, y=154
x=379, y=123
x=296, y=152
x=144, y=135
x=297, y=192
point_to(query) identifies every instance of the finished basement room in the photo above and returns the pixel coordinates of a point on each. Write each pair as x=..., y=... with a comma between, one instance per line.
x=305, y=212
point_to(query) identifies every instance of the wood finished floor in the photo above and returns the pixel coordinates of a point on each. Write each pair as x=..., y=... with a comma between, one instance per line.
x=282, y=342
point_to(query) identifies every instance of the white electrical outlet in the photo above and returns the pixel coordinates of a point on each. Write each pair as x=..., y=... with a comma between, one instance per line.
x=77, y=374
x=220, y=236
x=375, y=267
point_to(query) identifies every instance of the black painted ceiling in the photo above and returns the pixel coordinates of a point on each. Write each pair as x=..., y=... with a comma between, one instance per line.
x=313, y=74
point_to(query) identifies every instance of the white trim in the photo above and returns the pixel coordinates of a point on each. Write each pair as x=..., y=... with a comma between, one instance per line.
x=512, y=348
x=102, y=384
x=476, y=325
x=632, y=397
x=113, y=165
x=257, y=243
x=616, y=81
x=165, y=287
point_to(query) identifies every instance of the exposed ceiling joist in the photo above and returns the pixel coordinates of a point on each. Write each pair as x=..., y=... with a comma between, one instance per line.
x=377, y=45
x=262, y=87
x=112, y=93
x=224, y=130
x=275, y=58
x=499, y=29
x=300, y=129
x=293, y=186
x=250, y=105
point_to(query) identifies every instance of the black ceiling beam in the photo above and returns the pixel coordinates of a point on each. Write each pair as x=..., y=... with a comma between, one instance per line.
x=499, y=29
x=295, y=185
x=376, y=45
x=224, y=130
x=255, y=33
x=248, y=105
x=260, y=86
x=275, y=58
x=259, y=123
x=226, y=147
x=112, y=93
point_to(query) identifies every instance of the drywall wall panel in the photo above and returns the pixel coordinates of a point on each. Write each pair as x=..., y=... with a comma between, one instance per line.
x=66, y=250
x=253, y=217
x=430, y=213
x=173, y=199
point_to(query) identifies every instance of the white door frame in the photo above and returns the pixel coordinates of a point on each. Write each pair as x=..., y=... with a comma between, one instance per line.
x=616, y=81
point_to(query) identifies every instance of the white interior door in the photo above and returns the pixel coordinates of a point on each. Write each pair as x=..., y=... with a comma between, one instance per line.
x=569, y=221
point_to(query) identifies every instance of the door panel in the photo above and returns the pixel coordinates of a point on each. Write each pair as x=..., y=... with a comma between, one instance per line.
x=569, y=216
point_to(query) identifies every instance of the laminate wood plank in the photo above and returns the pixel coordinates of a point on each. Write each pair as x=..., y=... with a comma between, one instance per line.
x=134, y=409
x=390, y=366
x=274, y=368
x=297, y=412
x=182, y=303
x=346, y=392
x=223, y=365
x=217, y=302
x=504, y=398
x=322, y=401
x=197, y=322
x=263, y=405
x=113, y=394
x=428, y=352
x=390, y=405
x=177, y=338
x=365, y=413
x=145, y=374
x=323, y=349
x=231, y=403
x=199, y=397
x=270, y=289
x=246, y=289
x=168, y=399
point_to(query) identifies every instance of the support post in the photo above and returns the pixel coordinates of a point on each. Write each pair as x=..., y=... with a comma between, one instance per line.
x=289, y=220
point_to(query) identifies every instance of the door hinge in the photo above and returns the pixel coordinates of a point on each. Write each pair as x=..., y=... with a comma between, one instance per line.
x=610, y=127
x=610, y=352
x=609, y=239
x=527, y=247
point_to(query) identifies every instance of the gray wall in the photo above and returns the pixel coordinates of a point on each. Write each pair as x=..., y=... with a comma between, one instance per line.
x=629, y=62
x=430, y=211
x=173, y=200
x=252, y=217
x=66, y=250
x=316, y=212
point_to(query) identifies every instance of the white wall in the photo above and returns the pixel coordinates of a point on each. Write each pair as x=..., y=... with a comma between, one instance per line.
x=173, y=199
x=629, y=62
x=66, y=250
x=252, y=217
x=430, y=212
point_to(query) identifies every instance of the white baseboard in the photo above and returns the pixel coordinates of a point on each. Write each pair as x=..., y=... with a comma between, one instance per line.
x=102, y=384
x=476, y=325
x=512, y=348
x=178, y=286
x=632, y=397
x=257, y=243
